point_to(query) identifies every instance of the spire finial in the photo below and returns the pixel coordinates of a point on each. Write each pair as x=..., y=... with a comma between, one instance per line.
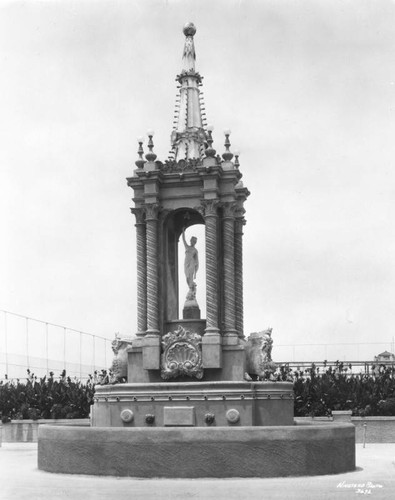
x=189, y=56
x=189, y=134
x=189, y=29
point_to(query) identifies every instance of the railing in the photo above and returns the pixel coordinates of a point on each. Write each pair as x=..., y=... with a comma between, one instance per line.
x=360, y=351
x=353, y=367
x=42, y=347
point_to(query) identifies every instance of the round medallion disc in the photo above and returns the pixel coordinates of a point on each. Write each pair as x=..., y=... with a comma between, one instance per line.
x=232, y=416
x=127, y=416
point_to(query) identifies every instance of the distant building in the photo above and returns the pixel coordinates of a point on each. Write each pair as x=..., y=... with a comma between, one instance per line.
x=384, y=356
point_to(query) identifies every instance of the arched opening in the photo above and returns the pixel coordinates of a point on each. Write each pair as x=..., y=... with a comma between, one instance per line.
x=174, y=285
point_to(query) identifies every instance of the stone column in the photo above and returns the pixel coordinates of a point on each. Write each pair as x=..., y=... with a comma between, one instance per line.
x=211, y=218
x=151, y=211
x=239, y=223
x=229, y=268
x=141, y=271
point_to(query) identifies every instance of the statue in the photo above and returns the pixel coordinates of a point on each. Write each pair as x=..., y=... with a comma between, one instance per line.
x=191, y=264
x=119, y=367
x=259, y=355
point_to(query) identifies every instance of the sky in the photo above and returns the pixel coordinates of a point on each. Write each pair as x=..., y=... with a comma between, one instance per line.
x=307, y=89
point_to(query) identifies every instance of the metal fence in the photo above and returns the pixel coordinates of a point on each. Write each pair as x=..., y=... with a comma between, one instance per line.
x=352, y=367
x=42, y=347
x=341, y=351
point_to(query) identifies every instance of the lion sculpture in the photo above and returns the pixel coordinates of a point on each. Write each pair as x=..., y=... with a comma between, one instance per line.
x=119, y=367
x=259, y=355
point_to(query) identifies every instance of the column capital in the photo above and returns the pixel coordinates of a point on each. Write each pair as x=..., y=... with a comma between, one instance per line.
x=210, y=208
x=239, y=223
x=139, y=213
x=229, y=209
x=239, y=213
x=151, y=211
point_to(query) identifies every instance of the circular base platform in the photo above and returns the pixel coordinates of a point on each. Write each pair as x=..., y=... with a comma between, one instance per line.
x=192, y=452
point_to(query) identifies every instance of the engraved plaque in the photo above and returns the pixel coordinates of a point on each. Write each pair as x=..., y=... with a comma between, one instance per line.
x=179, y=415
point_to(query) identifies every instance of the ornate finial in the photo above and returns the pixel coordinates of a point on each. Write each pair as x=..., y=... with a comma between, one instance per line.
x=227, y=156
x=189, y=29
x=189, y=56
x=237, y=154
x=150, y=156
x=210, y=151
x=140, y=161
x=189, y=135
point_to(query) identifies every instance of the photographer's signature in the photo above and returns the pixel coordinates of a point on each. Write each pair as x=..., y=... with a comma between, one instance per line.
x=360, y=488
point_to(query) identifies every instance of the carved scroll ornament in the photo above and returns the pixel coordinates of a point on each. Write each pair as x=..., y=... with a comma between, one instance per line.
x=182, y=355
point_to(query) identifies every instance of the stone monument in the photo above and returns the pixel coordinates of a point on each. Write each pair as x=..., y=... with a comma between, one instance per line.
x=189, y=408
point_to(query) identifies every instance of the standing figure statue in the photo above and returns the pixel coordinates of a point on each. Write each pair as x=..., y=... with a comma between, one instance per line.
x=191, y=264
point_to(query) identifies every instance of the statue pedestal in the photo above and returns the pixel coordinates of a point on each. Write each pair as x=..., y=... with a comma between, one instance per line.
x=191, y=310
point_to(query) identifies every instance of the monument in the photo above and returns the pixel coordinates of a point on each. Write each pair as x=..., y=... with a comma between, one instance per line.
x=198, y=401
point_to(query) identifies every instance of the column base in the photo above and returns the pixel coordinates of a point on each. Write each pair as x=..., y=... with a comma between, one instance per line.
x=151, y=351
x=230, y=338
x=211, y=331
x=212, y=350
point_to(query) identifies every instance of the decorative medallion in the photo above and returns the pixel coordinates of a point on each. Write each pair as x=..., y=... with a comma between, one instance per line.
x=182, y=355
x=127, y=416
x=232, y=416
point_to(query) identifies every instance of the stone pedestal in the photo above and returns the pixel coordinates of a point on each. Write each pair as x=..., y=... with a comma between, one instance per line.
x=210, y=404
x=191, y=310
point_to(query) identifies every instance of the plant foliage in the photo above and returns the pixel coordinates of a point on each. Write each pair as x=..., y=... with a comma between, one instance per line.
x=317, y=392
x=45, y=397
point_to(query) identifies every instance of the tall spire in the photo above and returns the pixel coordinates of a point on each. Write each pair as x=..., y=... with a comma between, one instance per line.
x=189, y=135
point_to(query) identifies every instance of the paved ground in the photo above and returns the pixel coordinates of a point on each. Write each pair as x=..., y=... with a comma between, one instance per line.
x=21, y=480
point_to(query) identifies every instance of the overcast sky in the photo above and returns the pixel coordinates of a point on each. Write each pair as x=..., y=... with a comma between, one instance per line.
x=308, y=90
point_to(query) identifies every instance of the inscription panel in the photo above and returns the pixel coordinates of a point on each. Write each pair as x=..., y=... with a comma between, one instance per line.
x=179, y=415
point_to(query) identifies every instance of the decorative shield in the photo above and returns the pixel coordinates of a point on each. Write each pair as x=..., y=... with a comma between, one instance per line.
x=182, y=354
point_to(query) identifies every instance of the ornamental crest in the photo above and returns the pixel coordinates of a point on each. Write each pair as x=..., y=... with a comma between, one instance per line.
x=181, y=166
x=182, y=355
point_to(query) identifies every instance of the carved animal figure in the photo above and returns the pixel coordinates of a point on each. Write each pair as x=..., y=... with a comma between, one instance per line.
x=119, y=367
x=259, y=354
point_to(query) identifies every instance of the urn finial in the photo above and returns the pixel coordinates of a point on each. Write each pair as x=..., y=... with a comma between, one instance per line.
x=150, y=156
x=227, y=156
x=140, y=161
